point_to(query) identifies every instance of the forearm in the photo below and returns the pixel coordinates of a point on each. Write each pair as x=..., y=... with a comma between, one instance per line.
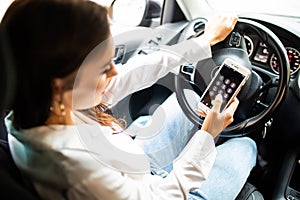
x=144, y=70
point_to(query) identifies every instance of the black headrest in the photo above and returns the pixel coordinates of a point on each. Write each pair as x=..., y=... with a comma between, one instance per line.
x=7, y=81
x=7, y=75
x=12, y=183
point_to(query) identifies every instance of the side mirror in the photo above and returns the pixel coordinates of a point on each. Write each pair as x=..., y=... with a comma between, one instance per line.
x=134, y=12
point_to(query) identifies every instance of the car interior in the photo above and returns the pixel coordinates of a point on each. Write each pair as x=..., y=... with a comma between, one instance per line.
x=269, y=110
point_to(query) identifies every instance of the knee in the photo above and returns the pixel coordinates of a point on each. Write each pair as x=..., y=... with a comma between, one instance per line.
x=241, y=150
x=249, y=145
x=247, y=148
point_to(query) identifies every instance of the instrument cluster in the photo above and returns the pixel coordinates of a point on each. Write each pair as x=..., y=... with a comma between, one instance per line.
x=259, y=53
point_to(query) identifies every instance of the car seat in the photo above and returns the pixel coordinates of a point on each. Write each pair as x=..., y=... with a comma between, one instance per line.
x=12, y=183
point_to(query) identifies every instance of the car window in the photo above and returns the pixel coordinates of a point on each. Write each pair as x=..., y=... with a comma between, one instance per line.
x=3, y=7
x=276, y=7
x=153, y=22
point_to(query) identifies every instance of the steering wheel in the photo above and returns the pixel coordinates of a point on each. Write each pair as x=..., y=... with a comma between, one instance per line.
x=256, y=106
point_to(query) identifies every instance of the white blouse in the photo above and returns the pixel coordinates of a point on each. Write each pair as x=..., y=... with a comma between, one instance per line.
x=88, y=161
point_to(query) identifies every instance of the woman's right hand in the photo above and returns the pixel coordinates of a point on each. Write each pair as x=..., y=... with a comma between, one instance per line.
x=218, y=28
x=215, y=121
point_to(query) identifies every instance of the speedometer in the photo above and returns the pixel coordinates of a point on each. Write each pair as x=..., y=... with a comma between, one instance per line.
x=294, y=60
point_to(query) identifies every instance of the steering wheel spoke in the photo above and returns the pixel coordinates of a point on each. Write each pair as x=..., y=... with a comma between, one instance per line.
x=273, y=82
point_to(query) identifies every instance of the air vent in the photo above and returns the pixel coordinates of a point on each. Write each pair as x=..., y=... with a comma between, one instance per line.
x=199, y=26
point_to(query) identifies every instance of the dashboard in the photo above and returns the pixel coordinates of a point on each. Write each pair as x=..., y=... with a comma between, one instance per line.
x=262, y=55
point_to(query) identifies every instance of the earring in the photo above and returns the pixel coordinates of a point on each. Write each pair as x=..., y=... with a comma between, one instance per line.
x=62, y=109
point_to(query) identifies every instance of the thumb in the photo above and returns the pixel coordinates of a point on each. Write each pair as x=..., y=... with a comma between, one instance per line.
x=217, y=104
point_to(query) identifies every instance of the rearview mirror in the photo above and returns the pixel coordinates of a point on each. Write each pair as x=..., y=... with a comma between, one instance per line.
x=134, y=12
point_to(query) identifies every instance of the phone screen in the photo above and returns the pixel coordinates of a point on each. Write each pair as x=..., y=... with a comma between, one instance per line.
x=225, y=83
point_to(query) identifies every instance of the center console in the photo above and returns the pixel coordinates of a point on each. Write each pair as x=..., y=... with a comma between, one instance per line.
x=288, y=186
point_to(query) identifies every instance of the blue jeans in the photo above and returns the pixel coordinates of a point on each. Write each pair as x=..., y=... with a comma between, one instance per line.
x=172, y=130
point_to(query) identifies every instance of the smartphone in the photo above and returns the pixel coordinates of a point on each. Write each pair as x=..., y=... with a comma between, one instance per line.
x=228, y=81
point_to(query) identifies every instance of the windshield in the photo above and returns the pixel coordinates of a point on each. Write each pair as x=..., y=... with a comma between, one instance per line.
x=3, y=6
x=275, y=7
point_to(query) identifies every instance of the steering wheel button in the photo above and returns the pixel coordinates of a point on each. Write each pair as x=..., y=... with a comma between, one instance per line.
x=235, y=39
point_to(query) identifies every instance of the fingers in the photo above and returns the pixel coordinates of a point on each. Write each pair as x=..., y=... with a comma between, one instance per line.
x=232, y=106
x=231, y=20
x=215, y=121
x=227, y=20
x=219, y=27
x=230, y=110
x=217, y=103
x=216, y=106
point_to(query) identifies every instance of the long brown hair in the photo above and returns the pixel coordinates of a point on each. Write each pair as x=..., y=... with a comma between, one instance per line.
x=50, y=39
x=104, y=116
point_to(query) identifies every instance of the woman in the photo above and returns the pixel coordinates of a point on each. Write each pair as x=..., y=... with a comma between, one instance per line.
x=60, y=132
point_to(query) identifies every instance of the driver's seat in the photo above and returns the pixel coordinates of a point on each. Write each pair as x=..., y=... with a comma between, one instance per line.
x=12, y=183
